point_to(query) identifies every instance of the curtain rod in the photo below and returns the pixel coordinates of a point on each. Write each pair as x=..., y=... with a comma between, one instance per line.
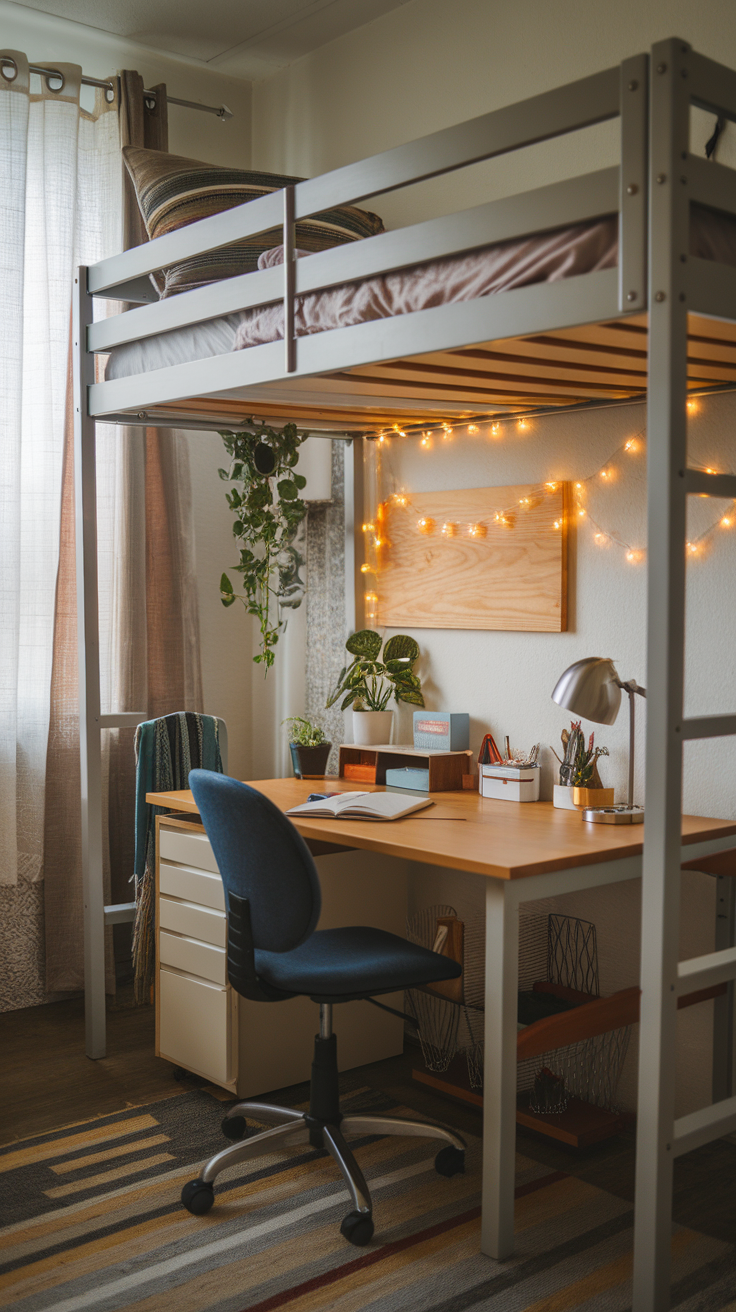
x=222, y=111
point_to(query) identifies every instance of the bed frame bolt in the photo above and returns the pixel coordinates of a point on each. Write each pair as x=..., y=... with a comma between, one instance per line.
x=661, y=68
x=633, y=86
x=632, y=189
x=142, y=414
x=661, y=296
x=661, y=177
x=631, y=296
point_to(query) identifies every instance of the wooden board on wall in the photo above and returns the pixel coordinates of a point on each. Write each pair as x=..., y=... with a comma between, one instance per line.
x=480, y=573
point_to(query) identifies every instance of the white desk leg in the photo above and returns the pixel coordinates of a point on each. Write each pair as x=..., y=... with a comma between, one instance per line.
x=499, y=1075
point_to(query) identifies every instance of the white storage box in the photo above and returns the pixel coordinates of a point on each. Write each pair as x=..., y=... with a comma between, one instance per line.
x=510, y=783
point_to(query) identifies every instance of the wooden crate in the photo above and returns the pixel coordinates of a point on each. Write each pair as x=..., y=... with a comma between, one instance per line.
x=446, y=769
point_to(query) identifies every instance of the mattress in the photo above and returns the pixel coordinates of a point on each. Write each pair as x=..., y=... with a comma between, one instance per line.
x=504, y=266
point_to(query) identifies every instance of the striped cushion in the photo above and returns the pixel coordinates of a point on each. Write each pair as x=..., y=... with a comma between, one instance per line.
x=173, y=192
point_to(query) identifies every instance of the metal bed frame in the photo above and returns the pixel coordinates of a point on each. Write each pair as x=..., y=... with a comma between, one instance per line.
x=651, y=190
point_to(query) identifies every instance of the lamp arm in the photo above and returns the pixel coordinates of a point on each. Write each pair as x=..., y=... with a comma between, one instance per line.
x=631, y=686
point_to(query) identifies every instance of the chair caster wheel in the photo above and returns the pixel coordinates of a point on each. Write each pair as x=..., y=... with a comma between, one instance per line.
x=234, y=1127
x=357, y=1228
x=450, y=1161
x=197, y=1197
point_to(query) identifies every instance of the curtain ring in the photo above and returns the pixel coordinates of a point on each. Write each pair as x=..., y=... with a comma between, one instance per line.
x=55, y=74
x=150, y=104
x=6, y=63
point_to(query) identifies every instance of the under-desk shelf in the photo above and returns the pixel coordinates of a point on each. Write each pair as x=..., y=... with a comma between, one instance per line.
x=448, y=771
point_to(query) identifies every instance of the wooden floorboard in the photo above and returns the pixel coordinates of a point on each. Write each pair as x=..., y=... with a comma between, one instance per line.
x=47, y=1082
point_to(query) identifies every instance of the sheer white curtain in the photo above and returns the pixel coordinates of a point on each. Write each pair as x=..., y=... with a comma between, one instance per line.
x=62, y=205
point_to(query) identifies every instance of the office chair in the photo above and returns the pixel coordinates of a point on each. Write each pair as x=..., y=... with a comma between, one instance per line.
x=274, y=952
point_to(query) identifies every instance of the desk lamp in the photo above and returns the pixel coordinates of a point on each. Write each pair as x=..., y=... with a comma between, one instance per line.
x=591, y=689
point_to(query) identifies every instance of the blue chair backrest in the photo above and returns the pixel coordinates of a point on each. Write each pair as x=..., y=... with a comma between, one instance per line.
x=261, y=857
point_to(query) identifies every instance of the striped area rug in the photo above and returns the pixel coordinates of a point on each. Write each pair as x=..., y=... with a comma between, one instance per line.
x=92, y=1221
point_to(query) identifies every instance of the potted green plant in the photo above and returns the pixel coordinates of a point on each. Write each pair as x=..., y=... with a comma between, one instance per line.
x=308, y=746
x=369, y=683
x=580, y=783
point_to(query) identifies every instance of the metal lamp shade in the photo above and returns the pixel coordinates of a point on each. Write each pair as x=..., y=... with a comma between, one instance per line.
x=590, y=689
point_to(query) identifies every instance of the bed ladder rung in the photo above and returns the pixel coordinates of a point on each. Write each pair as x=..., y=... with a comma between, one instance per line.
x=699, y=483
x=708, y=726
x=700, y=972
x=703, y=1126
x=120, y=913
x=123, y=719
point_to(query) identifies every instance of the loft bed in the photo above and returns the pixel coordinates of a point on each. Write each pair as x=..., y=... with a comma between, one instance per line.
x=651, y=316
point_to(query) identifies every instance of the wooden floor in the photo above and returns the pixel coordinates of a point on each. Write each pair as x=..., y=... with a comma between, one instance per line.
x=47, y=1082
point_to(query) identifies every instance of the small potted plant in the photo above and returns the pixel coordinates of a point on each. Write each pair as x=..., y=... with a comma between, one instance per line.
x=368, y=683
x=308, y=746
x=579, y=777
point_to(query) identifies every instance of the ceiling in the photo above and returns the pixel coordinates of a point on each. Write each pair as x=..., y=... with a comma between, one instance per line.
x=245, y=38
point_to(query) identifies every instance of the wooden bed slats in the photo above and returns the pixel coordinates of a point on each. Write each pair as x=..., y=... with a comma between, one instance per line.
x=569, y=367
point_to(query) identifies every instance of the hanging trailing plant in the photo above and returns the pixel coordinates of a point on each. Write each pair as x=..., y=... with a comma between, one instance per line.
x=268, y=511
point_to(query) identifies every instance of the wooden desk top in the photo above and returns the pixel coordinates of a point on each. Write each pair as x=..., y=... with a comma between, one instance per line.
x=503, y=840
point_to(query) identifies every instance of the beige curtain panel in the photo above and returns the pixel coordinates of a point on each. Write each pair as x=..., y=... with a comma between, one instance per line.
x=149, y=619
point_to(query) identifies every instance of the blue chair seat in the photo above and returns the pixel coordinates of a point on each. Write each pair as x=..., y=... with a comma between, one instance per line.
x=341, y=965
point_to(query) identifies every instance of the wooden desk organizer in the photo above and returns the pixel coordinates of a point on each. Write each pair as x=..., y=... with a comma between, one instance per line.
x=369, y=764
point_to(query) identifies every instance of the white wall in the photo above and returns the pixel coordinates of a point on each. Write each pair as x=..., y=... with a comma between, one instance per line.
x=420, y=68
x=226, y=639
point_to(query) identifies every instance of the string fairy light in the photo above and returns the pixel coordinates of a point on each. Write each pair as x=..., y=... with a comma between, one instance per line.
x=504, y=519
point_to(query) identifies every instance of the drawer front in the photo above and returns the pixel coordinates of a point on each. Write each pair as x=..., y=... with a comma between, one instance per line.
x=189, y=849
x=195, y=1030
x=195, y=958
x=194, y=921
x=192, y=885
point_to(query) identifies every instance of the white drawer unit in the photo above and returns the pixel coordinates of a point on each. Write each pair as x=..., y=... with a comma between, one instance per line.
x=249, y=1047
x=201, y=886
x=194, y=921
x=196, y=958
x=195, y=1029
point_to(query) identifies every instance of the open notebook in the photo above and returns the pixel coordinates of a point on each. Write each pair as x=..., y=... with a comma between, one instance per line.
x=362, y=806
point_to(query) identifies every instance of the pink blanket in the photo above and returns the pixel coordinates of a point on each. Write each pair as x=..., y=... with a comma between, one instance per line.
x=501, y=267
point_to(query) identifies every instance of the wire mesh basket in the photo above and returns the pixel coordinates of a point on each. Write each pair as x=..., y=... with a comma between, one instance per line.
x=560, y=950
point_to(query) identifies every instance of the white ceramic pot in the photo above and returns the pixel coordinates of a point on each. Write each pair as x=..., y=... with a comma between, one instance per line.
x=563, y=798
x=372, y=728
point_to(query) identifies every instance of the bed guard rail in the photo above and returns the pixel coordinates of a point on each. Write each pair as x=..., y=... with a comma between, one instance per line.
x=617, y=92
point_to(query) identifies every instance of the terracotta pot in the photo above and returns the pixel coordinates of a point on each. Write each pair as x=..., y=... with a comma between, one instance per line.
x=372, y=728
x=309, y=762
x=583, y=797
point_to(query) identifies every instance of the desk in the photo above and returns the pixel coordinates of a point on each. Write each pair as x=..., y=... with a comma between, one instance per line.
x=527, y=852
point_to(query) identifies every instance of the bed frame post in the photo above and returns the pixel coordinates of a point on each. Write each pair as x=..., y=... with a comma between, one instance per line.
x=634, y=122
x=85, y=512
x=667, y=460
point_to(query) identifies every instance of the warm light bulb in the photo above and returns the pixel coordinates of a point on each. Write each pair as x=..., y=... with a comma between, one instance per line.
x=449, y=530
x=692, y=548
x=476, y=530
x=426, y=440
x=692, y=407
x=425, y=525
x=371, y=598
x=365, y=569
x=711, y=471
x=578, y=486
x=524, y=501
x=399, y=499
x=369, y=528
x=557, y=524
x=378, y=542
x=599, y=538
x=605, y=473
x=633, y=556
x=473, y=428
x=551, y=487
x=495, y=429
x=522, y=424
x=726, y=522
x=446, y=434
x=632, y=445
x=581, y=512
